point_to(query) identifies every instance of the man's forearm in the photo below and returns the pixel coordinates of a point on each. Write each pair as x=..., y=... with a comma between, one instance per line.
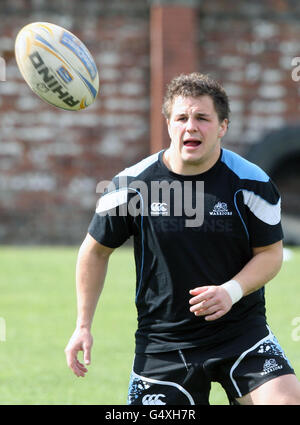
x=263, y=266
x=91, y=270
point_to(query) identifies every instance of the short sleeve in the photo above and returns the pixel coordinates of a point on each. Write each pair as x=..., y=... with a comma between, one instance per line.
x=263, y=210
x=111, y=225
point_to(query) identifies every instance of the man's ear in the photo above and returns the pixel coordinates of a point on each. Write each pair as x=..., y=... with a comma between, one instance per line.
x=223, y=128
x=168, y=126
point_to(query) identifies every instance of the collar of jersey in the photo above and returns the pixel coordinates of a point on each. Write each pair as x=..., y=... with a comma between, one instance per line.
x=192, y=176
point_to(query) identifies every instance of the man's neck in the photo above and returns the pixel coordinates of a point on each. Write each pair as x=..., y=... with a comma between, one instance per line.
x=188, y=168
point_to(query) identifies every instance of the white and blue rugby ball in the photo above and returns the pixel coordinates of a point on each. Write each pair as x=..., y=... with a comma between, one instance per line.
x=57, y=66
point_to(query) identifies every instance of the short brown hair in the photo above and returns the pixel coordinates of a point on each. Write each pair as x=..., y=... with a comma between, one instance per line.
x=196, y=85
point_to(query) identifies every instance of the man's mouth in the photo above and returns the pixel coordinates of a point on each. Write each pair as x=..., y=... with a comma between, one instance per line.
x=192, y=143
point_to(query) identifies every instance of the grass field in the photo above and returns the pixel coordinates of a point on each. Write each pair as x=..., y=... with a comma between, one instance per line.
x=38, y=305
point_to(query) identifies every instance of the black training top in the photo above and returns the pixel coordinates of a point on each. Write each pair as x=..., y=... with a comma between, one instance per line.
x=176, y=251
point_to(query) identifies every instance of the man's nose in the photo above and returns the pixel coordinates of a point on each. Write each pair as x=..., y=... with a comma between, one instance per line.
x=191, y=125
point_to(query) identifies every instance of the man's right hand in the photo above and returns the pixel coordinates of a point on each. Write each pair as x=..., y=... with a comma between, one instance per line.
x=81, y=340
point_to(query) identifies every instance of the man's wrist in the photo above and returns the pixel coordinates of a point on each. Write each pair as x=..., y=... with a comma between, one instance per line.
x=83, y=325
x=234, y=290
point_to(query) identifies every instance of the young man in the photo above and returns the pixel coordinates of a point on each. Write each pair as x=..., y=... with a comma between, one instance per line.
x=201, y=270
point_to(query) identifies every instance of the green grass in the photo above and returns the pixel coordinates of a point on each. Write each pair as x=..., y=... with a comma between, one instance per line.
x=38, y=304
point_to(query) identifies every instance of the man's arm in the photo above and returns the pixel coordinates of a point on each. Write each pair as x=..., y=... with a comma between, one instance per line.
x=91, y=270
x=264, y=265
x=214, y=301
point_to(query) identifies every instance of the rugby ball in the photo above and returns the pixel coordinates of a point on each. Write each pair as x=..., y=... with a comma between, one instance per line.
x=57, y=66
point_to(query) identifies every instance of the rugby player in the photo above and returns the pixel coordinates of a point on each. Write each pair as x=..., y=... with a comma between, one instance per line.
x=200, y=279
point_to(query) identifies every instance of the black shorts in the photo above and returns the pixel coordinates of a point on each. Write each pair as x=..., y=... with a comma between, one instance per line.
x=184, y=377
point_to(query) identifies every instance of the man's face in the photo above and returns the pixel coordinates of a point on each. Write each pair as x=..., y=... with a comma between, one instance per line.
x=195, y=132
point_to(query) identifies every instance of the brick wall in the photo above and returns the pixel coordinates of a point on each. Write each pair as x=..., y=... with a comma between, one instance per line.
x=51, y=160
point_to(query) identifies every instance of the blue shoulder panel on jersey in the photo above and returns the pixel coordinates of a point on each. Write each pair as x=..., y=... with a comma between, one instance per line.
x=242, y=168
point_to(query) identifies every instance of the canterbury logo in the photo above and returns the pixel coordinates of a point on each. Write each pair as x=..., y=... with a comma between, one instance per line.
x=159, y=208
x=153, y=399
